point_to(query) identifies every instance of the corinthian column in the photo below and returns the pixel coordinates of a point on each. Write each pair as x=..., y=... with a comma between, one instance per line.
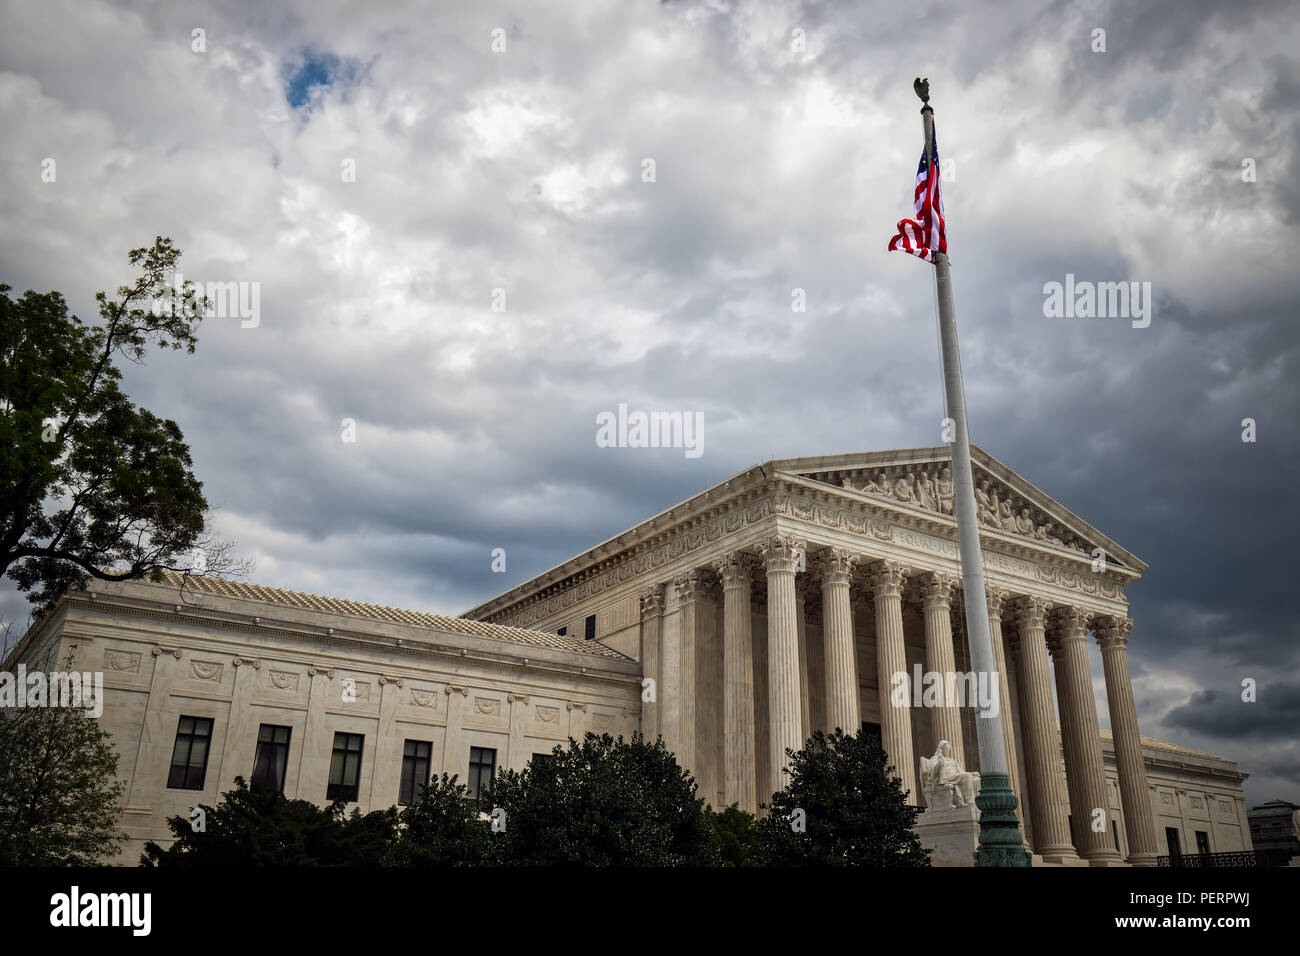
x=652, y=612
x=1042, y=755
x=804, y=601
x=785, y=712
x=1112, y=635
x=738, y=682
x=891, y=658
x=1085, y=774
x=689, y=588
x=945, y=720
x=843, y=708
x=996, y=599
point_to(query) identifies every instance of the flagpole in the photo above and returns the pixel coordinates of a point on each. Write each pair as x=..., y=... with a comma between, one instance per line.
x=1000, y=843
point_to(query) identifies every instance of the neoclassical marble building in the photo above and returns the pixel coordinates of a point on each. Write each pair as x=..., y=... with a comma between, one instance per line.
x=785, y=599
x=778, y=602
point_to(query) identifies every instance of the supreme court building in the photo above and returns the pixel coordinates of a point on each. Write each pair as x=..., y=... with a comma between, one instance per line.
x=779, y=602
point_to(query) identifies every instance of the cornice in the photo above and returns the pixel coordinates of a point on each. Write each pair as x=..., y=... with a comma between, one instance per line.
x=819, y=505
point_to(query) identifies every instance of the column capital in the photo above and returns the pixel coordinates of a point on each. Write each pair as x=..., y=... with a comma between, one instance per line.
x=836, y=565
x=1031, y=610
x=690, y=586
x=887, y=578
x=783, y=552
x=1112, y=630
x=735, y=568
x=996, y=598
x=937, y=589
x=1071, y=620
x=652, y=602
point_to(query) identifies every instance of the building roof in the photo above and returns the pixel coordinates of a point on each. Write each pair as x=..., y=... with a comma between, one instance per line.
x=378, y=612
x=823, y=474
x=1276, y=806
x=1165, y=745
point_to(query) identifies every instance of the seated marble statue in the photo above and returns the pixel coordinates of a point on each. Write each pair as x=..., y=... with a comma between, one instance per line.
x=944, y=783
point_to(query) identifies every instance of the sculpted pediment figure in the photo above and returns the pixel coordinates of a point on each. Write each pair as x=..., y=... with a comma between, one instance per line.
x=1004, y=501
x=926, y=495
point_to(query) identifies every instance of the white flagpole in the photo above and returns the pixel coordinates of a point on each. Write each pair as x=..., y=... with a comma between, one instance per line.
x=1000, y=843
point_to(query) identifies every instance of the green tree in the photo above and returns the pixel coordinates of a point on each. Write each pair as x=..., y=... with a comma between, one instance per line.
x=443, y=828
x=59, y=790
x=735, y=834
x=603, y=802
x=91, y=485
x=853, y=809
x=261, y=827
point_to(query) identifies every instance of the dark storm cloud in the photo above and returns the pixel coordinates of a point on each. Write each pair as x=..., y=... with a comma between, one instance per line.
x=1273, y=713
x=777, y=169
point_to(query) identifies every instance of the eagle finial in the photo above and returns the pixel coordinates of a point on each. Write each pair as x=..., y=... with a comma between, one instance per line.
x=922, y=87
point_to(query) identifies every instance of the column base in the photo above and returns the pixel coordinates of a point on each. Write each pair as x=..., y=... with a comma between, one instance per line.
x=1055, y=861
x=1058, y=856
x=1142, y=859
x=1103, y=857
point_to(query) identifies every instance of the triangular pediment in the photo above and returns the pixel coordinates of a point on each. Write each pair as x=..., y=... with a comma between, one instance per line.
x=919, y=480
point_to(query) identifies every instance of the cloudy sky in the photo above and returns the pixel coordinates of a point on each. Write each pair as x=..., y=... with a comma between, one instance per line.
x=504, y=147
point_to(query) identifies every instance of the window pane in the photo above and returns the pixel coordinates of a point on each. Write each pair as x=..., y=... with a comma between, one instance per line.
x=281, y=764
x=190, y=753
x=262, y=766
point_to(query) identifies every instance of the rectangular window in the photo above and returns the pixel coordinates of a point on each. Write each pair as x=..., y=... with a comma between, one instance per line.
x=272, y=757
x=345, y=767
x=1171, y=838
x=563, y=631
x=1202, y=842
x=415, y=770
x=482, y=765
x=590, y=626
x=190, y=754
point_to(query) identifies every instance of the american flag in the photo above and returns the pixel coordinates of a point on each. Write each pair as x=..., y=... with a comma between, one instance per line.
x=924, y=235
